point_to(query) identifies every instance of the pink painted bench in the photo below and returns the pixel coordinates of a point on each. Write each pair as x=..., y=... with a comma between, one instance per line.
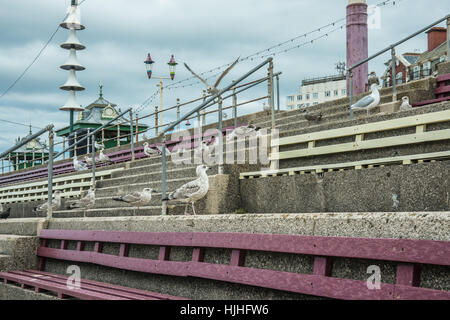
x=409, y=256
x=442, y=91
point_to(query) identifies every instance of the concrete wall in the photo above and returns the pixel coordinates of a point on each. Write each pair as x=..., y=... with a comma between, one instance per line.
x=418, y=187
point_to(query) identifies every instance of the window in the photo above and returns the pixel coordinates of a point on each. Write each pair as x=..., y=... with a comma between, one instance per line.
x=316, y=95
x=344, y=92
x=327, y=93
x=307, y=104
x=290, y=99
x=315, y=103
x=427, y=68
x=399, y=77
x=416, y=72
x=300, y=106
x=299, y=97
x=336, y=93
x=307, y=96
x=442, y=58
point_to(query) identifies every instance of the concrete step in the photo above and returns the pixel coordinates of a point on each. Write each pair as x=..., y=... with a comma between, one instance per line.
x=6, y=263
x=22, y=226
x=118, y=212
x=8, y=243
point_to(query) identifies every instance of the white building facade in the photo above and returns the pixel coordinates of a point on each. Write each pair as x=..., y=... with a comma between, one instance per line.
x=318, y=90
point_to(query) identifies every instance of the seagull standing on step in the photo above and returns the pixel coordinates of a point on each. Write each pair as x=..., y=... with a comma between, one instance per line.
x=137, y=199
x=313, y=117
x=405, y=104
x=370, y=101
x=84, y=203
x=98, y=146
x=212, y=90
x=78, y=165
x=192, y=191
x=56, y=203
x=103, y=157
x=244, y=131
x=150, y=151
x=4, y=214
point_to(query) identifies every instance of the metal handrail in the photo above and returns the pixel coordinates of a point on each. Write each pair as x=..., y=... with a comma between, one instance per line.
x=204, y=105
x=392, y=49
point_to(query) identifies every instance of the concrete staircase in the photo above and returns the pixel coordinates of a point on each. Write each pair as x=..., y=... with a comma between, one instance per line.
x=17, y=252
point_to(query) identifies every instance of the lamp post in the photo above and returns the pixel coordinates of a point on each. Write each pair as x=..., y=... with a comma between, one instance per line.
x=172, y=68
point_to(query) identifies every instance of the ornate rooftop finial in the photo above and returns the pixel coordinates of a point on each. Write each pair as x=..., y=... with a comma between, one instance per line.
x=101, y=90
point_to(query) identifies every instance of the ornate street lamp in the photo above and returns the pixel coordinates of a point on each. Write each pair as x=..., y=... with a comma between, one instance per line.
x=172, y=67
x=149, y=65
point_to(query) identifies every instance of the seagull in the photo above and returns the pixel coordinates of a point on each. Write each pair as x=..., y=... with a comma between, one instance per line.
x=150, y=151
x=405, y=104
x=78, y=165
x=212, y=90
x=103, y=157
x=88, y=160
x=160, y=150
x=84, y=203
x=242, y=132
x=137, y=199
x=313, y=117
x=4, y=214
x=56, y=203
x=192, y=191
x=98, y=145
x=370, y=101
x=373, y=79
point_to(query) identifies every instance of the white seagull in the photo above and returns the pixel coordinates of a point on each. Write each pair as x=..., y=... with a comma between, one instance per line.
x=212, y=90
x=150, y=151
x=98, y=145
x=192, y=191
x=405, y=104
x=56, y=203
x=84, y=203
x=244, y=131
x=78, y=165
x=137, y=199
x=103, y=157
x=370, y=101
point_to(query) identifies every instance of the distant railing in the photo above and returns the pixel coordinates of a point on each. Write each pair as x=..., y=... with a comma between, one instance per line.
x=394, y=59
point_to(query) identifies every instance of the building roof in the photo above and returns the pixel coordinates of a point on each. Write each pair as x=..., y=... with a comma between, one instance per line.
x=434, y=54
x=34, y=145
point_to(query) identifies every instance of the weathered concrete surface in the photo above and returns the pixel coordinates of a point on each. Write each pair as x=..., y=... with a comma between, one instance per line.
x=23, y=227
x=20, y=252
x=417, y=187
x=444, y=67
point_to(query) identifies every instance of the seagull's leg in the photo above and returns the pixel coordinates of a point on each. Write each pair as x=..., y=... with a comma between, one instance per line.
x=185, y=209
x=193, y=208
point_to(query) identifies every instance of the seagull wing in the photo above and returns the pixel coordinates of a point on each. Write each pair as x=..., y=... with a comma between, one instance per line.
x=202, y=80
x=364, y=102
x=186, y=190
x=225, y=72
x=132, y=197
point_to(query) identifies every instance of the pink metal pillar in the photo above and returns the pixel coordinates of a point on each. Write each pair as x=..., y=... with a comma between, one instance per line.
x=357, y=44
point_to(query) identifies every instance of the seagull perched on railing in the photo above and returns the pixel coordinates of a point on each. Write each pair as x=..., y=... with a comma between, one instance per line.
x=4, y=214
x=370, y=101
x=84, y=203
x=78, y=165
x=212, y=90
x=137, y=199
x=192, y=191
x=56, y=203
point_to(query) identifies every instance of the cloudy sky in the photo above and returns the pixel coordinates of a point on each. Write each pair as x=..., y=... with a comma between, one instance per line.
x=203, y=33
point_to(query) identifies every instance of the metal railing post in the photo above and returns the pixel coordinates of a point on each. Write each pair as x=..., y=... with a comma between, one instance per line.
x=220, y=102
x=163, y=178
x=394, y=76
x=271, y=93
x=351, y=94
x=89, y=145
x=50, y=174
x=131, y=135
x=278, y=93
x=178, y=114
x=234, y=108
x=64, y=146
x=204, y=110
x=93, y=161
x=118, y=135
x=137, y=127
x=156, y=120
x=75, y=153
x=3, y=168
